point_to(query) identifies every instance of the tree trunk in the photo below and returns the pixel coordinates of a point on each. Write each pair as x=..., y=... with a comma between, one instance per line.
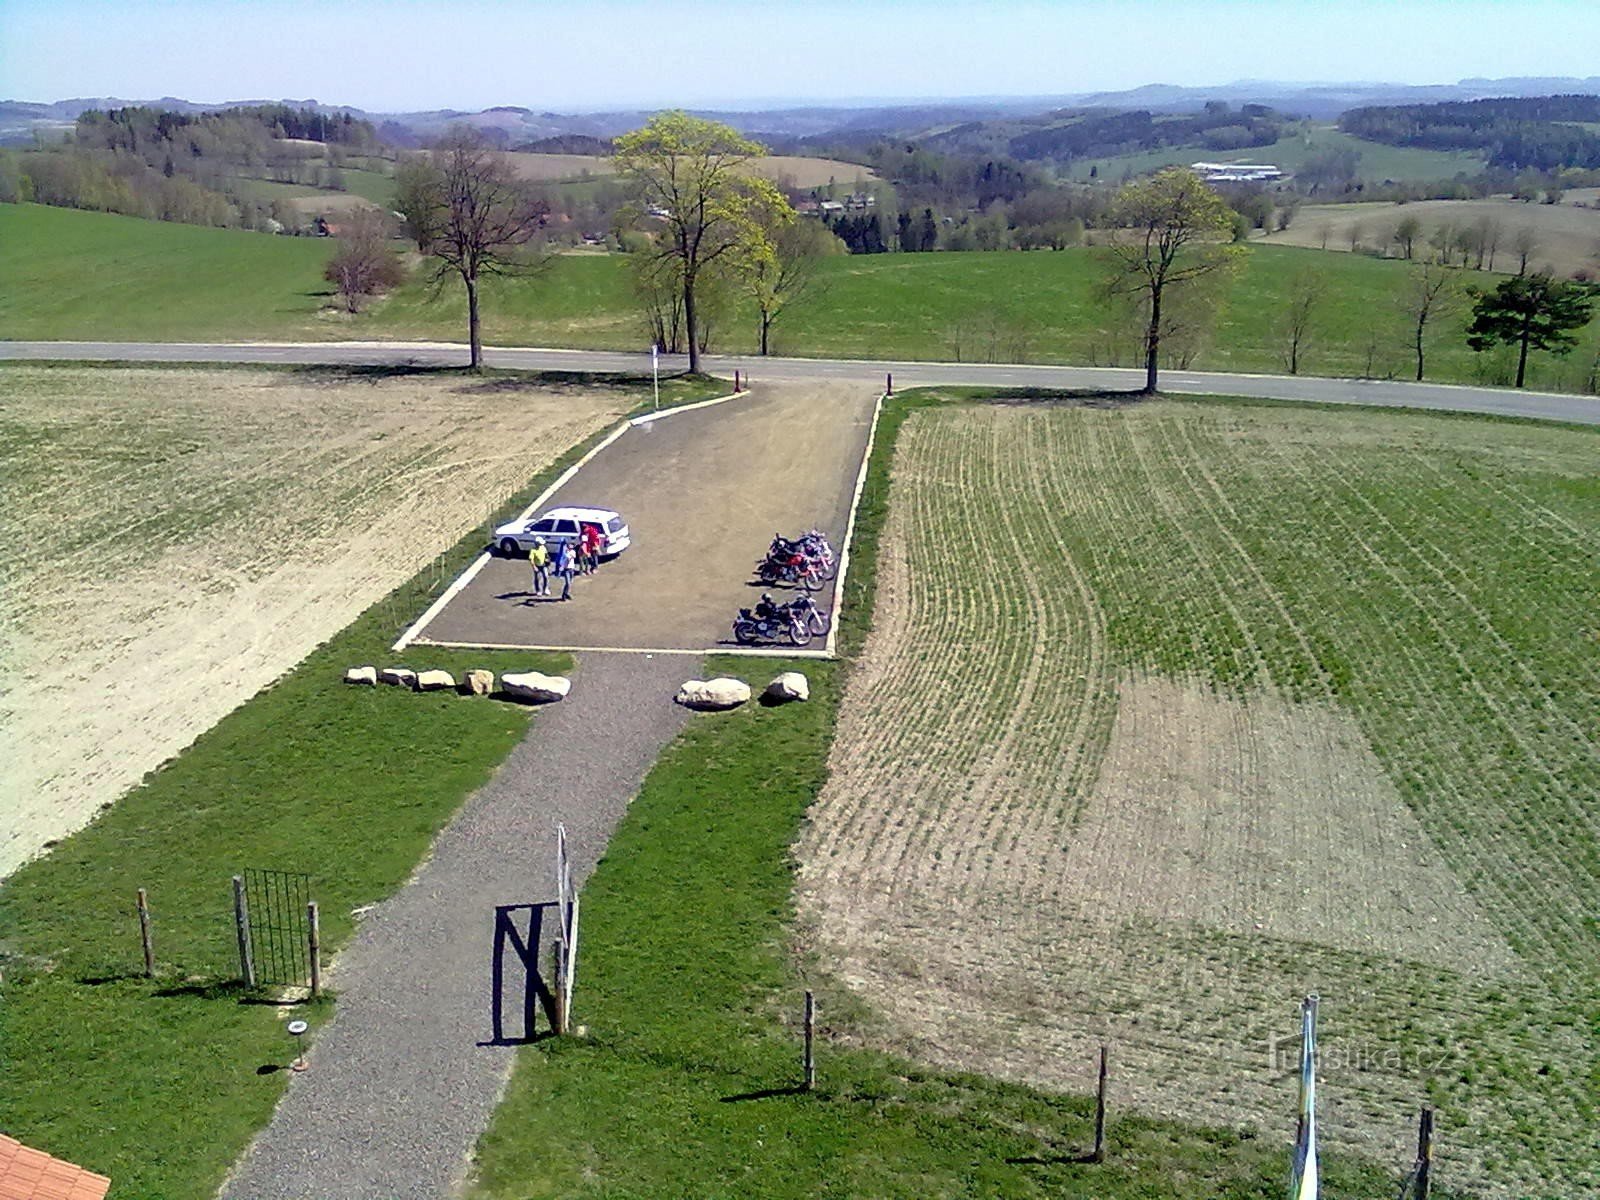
x=690, y=326
x=1152, y=343
x=1421, y=325
x=474, y=333
x=766, y=328
x=1522, y=357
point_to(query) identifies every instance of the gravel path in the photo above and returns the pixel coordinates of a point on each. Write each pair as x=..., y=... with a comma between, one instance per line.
x=401, y=1083
x=702, y=492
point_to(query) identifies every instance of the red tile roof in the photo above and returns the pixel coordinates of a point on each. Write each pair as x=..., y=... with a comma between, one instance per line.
x=27, y=1174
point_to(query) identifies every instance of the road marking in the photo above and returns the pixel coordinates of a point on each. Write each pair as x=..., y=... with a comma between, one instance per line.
x=449, y=594
x=738, y=651
x=850, y=528
x=652, y=417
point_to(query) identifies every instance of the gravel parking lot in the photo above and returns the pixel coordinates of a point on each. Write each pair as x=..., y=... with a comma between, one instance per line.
x=702, y=492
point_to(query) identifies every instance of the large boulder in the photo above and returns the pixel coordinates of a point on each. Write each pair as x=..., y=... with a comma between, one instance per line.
x=791, y=685
x=478, y=682
x=435, y=681
x=713, y=693
x=534, y=687
x=398, y=676
x=367, y=675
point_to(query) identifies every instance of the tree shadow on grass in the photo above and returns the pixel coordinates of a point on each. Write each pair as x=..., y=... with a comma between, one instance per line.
x=793, y=1089
x=1052, y=1160
x=1033, y=397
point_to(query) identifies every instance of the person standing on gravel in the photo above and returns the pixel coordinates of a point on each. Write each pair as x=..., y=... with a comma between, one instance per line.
x=591, y=549
x=566, y=564
x=539, y=558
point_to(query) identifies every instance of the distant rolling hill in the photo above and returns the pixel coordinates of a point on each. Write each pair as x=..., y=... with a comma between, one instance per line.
x=515, y=126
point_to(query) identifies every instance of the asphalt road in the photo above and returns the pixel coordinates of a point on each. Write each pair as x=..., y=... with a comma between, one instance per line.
x=702, y=491
x=1545, y=406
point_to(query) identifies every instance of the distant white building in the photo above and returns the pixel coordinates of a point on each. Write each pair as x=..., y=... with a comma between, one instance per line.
x=1236, y=172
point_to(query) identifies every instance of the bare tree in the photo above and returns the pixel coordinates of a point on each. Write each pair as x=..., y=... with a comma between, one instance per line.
x=1406, y=233
x=476, y=218
x=1485, y=239
x=1356, y=232
x=1306, y=291
x=1490, y=232
x=363, y=264
x=1443, y=241
x=1432, y=290
x=1526, y=244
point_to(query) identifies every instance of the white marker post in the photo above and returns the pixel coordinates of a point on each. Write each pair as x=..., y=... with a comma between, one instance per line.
x=655, y=371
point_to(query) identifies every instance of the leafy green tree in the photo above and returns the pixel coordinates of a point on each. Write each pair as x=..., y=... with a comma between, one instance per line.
x=1170, y=230
x=1530, y=312
x=781, y=271
x=686, y=173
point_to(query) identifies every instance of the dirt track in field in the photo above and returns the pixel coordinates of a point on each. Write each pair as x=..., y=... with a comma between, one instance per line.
x=173, y=540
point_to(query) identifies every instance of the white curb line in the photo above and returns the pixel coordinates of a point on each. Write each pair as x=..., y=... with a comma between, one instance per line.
x=735, y=651
x=850, y=527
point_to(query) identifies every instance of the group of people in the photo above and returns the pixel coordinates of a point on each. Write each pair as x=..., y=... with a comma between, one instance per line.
x=571, y=556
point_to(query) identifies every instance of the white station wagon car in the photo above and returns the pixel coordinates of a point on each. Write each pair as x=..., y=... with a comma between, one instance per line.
x=558, y=525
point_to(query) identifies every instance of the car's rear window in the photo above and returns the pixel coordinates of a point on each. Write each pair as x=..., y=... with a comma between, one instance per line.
x=566, y=527
x=615, y=525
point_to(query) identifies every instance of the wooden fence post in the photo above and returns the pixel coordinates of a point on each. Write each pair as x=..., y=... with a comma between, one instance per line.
x=144, y=935
x=314, y=936
x=561, y=987
x=241, y=922
x=1100, y=1112
x=811, y=1036
x=1424, y=1152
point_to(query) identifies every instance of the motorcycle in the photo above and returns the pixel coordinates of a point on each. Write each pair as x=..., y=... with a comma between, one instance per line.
x=778, y=625
x=813, y=544
x=805, y=608
x=797, y=568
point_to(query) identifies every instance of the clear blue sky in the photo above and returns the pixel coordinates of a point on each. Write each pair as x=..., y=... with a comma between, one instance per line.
x=388, y=55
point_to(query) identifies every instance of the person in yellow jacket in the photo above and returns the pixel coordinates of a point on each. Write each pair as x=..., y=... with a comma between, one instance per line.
x=539, y=557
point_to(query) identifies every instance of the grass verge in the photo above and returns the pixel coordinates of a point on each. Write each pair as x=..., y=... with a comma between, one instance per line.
x=690, y=988
x=160, y=1083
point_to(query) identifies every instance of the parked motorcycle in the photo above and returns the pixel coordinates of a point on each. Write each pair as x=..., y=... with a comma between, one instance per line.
x=805, y=608
x=813, y=544
x=797, y=568
x=774, y=625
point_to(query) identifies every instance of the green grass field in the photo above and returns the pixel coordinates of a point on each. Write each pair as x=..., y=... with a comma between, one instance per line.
x=1292, y=585
x=89, y=276
x=170, y=282
x=160, y=1083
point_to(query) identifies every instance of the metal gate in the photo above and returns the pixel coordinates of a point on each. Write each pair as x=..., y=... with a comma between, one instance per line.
x=279, y=926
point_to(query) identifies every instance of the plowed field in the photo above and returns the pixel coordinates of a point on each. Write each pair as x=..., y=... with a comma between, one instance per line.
x=173, y=540
x=1175, y=712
